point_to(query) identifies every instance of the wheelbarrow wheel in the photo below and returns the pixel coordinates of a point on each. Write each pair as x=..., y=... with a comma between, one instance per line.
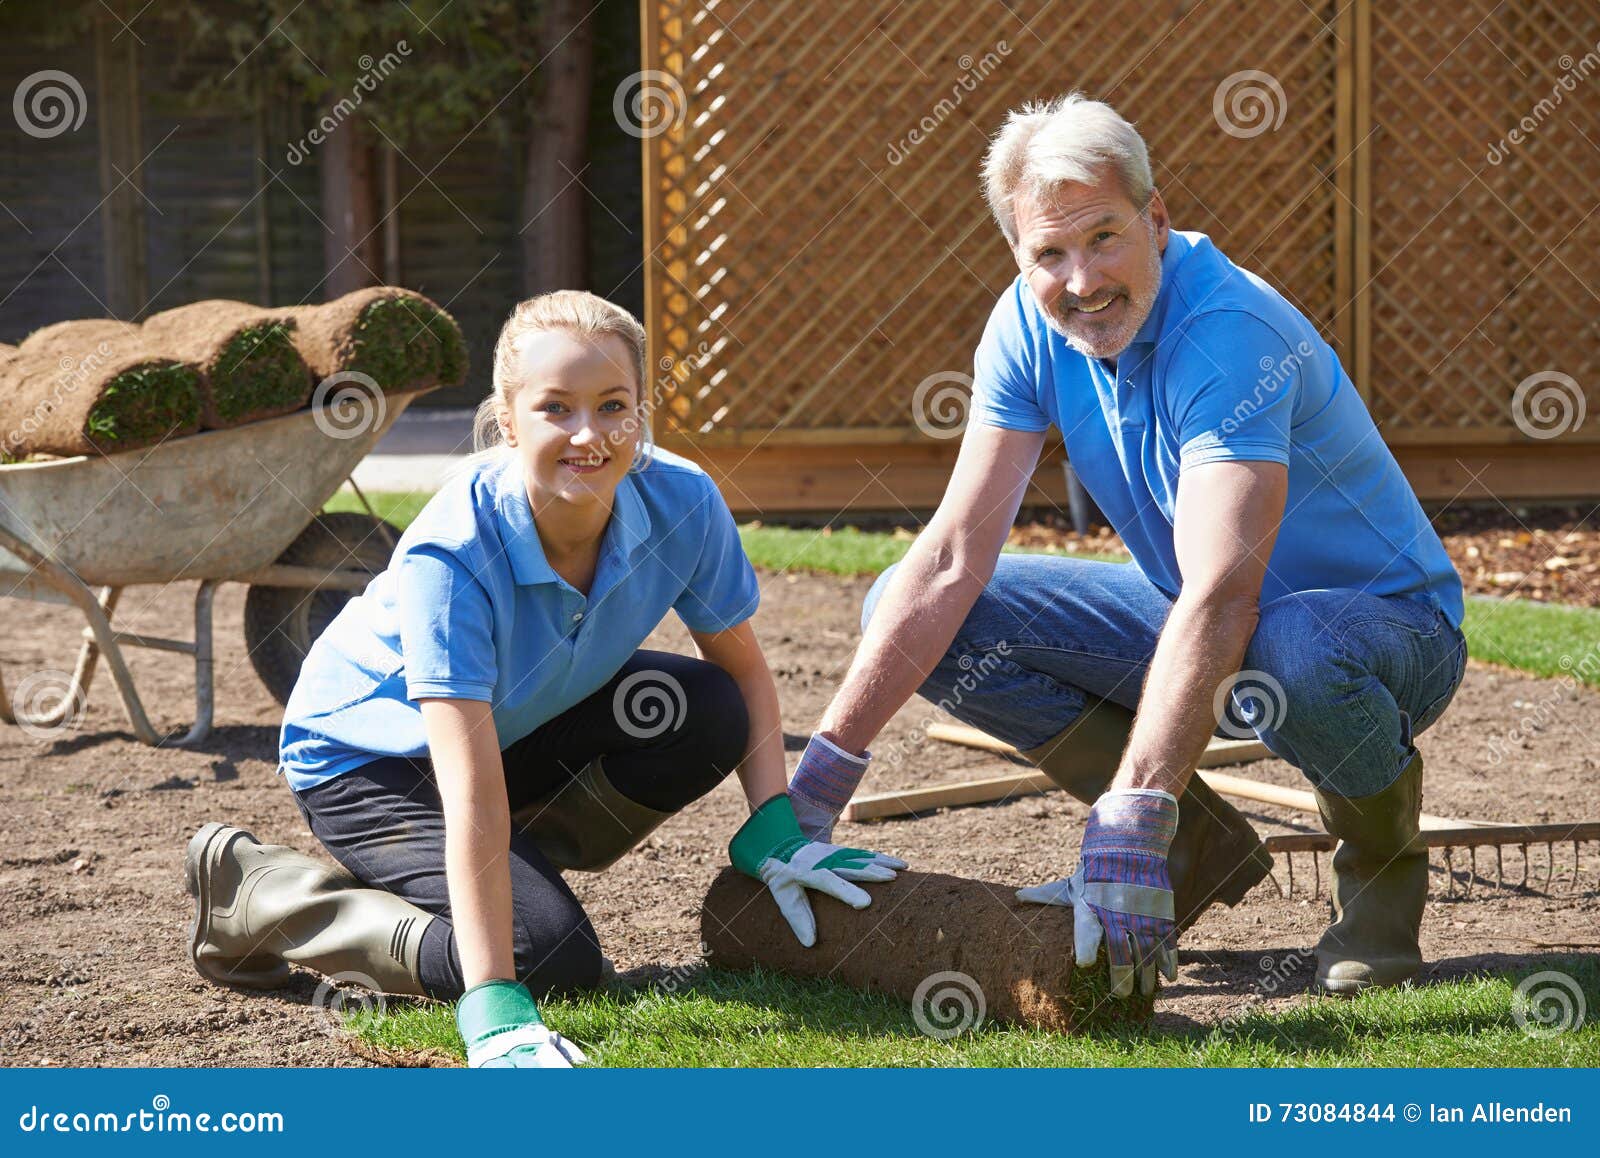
x=280, y=623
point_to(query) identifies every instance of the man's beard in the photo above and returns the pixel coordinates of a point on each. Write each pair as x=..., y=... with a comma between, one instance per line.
x=1107, y=340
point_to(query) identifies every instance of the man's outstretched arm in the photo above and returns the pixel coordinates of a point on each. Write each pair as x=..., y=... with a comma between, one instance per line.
x=918, y=615
x=1224, y=525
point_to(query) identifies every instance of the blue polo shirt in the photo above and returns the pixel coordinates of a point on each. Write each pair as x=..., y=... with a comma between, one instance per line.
x=469, y=609
x=1224, y=368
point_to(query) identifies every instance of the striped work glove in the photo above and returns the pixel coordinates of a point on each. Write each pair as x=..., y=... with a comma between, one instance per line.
x=1121, y=893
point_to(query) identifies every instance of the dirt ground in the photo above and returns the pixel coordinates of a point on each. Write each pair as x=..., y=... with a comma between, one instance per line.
x=93, y=916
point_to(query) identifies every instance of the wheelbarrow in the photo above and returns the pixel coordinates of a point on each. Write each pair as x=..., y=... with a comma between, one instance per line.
x=239, y=505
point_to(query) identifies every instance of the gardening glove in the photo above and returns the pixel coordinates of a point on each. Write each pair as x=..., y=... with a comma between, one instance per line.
x=823, y=783
x=1121, y=893
x=503, y=1030
x=771, y=848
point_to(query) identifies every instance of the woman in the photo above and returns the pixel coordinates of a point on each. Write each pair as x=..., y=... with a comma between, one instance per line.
x=481, y=717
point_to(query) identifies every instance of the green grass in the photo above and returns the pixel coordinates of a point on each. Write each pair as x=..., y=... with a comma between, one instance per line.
x=706, y=1017
x=401, y=341
x=143, y=404
x=258, y=371
x=1539, y=638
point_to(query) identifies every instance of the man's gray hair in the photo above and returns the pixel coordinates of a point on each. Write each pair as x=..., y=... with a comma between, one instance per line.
x=1044, y=145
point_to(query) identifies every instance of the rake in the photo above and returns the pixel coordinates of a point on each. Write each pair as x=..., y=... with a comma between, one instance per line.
x=1451, y=836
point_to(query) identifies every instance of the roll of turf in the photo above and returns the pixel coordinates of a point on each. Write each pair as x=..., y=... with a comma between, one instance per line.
x=93, y=386
x=252, y=367
x=399, y=338
x=950, y=946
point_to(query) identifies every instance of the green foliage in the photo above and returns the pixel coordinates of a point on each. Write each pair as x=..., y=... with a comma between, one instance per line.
x=416, y=71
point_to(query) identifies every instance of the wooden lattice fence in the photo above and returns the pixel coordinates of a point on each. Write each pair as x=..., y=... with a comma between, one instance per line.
x=818, y=246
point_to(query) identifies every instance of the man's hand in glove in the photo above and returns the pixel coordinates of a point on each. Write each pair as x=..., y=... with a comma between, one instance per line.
x=1121, y=893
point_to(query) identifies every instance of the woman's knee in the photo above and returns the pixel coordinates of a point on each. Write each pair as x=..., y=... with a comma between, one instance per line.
x=557, y=950
x=716, y=704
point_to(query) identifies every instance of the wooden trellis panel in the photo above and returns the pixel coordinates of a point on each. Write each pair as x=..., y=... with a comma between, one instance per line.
x=818, y=245
x=819, y=241
x=1485, y=253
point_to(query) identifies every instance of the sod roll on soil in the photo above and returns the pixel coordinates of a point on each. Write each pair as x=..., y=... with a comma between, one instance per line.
x=252, y=368
x=947, y=945
x=93, y=386
x=399, y=338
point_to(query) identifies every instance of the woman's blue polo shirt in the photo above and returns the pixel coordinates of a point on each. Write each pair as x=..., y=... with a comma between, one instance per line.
x=470, y=609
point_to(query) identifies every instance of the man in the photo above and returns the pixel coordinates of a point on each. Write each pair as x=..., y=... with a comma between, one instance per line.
x=1270, y=529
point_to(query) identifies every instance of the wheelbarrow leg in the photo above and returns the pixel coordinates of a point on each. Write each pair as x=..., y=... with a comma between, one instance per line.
x=77, y=691
x=204, y=666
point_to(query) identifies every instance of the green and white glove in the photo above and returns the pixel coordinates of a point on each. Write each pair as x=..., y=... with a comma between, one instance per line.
x=771, y=848
x=503, y=1030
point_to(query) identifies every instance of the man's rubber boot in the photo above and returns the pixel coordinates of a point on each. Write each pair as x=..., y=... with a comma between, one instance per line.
x=585, y=823
x=1380, y=887
x=260, y=906
x=1215, y=855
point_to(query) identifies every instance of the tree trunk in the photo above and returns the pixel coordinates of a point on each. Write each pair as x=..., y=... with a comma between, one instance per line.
x=554, y=202
x=352, y=250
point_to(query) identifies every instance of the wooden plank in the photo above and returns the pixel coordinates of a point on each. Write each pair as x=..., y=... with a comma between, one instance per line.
x=1217, y=754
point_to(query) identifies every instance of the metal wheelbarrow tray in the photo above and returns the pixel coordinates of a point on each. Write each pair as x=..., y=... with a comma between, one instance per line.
x=220, y=506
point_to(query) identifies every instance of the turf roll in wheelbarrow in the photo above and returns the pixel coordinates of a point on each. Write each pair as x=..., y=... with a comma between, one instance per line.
x=253, y=370
x=946, y=944
x=399, y=338
x=93, y=386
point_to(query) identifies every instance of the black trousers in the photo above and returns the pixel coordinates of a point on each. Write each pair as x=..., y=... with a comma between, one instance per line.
x=384, y=822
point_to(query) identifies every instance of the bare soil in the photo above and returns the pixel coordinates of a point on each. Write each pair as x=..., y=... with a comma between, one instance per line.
x=93, y=916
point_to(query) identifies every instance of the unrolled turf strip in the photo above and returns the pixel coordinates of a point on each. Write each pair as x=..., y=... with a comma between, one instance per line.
x=919, y=925
x=401, y=339
x=80, y=387
x=252, y=368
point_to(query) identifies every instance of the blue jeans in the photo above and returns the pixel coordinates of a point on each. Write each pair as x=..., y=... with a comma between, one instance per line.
x=1336, y=682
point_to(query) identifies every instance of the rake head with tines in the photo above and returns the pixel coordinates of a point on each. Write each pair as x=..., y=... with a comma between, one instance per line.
x=1562, y=876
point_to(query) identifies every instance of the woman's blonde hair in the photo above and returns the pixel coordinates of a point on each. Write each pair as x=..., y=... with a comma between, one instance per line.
x=581, y=315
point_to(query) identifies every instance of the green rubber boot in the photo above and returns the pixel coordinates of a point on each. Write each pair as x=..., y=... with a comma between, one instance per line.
x=1380, y=887
x=259, y=907
x=1215, y=854
x=585, y=823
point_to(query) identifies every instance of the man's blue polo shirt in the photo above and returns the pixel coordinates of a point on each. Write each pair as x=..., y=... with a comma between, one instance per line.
x=470, y=609
x=1224, y=368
